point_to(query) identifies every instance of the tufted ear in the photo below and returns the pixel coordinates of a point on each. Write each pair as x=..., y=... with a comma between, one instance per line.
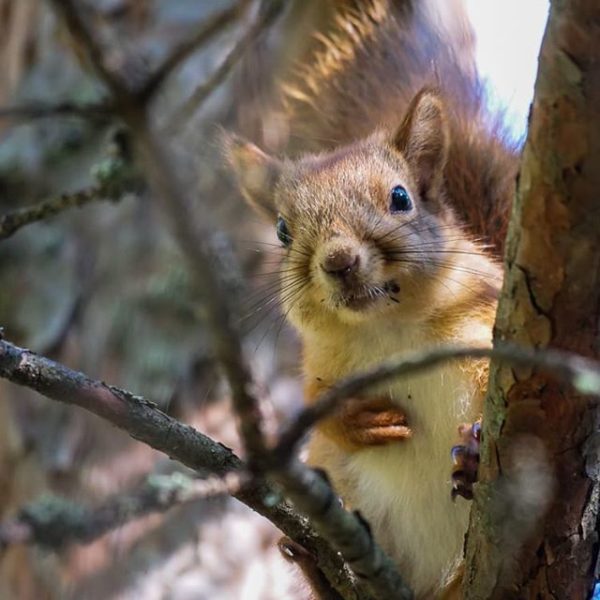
x=423, y=140
x=256, y=173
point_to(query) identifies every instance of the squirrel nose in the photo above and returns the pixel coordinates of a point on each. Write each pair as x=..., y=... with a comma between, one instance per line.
x=340, y=263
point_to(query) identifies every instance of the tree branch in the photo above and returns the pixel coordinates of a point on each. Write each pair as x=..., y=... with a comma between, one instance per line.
x=138, y=417
x=214, y=25
x=192, y=238
x=176, y=203
x=143, y=421
x=348, y=532
x=550, y=298
x=267, y=15
x=583, y=374
x=85, y=38
x=95, y=111
x=12, y=222
x=115, y=179
x=55, y=522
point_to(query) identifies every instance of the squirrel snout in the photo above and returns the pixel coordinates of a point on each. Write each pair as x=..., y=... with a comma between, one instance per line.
x=341, y=262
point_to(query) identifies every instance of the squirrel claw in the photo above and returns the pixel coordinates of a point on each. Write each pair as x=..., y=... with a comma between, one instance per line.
x=465, y=460
x=292, y=551
x=297, y=554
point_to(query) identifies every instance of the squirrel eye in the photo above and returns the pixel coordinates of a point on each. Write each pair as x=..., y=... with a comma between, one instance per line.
x=283, y=233
x=399, y=199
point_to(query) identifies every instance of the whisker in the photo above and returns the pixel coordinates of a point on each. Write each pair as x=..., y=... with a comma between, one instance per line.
x=447, y=279
x=448, y=266
x=441, y=240
x=290, y=297
x=285, y=249
x=279, y=300
x=295, y=269
x=411, y=249
x=272, y=294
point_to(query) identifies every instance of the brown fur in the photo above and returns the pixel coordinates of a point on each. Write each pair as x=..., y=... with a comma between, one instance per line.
x=365, y=75
x=361, y=280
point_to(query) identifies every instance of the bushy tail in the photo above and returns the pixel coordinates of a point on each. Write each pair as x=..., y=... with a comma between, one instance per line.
x=366, y=70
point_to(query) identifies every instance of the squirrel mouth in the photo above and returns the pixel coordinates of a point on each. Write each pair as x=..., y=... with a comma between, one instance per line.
x=357, y=301
x=367, y=296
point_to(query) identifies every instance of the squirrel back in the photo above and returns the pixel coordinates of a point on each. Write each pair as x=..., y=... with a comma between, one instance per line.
x=374, y=60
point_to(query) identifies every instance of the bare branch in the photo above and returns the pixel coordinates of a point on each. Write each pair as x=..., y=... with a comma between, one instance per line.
x=216, y=295
x=12, y=222
x=114, y=176
x=214, y=25
x=55, y=522
x=85, y=38
x=143, y=421
x=97, y=111
x=267, y=15
x=190, y=235
x=347, y=532
x=583, y=374
x=177, y=206
x=135, y=415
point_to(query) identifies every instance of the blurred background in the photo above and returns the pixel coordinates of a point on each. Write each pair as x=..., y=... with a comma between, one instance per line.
x=104, y=289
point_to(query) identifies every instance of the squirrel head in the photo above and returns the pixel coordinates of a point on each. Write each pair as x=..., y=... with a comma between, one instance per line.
x=366, y=228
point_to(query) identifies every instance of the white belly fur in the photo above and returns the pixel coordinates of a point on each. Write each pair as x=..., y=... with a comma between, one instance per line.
x=403, y=490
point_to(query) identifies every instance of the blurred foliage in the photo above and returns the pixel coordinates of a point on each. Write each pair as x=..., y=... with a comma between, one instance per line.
x=104, y=289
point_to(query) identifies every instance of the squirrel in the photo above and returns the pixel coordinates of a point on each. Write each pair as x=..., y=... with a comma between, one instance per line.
x=392, y=229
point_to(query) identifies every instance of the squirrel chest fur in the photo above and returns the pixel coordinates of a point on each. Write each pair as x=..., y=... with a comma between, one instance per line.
x=387, y=241
x=403, y=489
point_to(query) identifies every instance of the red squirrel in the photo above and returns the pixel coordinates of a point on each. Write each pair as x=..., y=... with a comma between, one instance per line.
x=391, y=237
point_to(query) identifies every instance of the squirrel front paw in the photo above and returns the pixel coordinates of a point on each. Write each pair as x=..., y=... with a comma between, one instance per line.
x=373, y=422
x=465, y=458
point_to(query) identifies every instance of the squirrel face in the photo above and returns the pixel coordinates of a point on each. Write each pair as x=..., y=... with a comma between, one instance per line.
x=366, y=227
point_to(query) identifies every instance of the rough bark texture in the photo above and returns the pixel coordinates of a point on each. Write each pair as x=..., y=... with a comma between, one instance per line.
x=533, y=528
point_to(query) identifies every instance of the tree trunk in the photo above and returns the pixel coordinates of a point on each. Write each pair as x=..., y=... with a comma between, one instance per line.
x=534, y=519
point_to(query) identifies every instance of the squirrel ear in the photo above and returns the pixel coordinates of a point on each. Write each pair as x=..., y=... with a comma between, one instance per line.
x=255, y=171
x=423, y=139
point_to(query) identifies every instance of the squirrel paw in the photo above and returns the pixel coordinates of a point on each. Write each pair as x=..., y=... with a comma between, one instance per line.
x=465, y=458
x=373, y=422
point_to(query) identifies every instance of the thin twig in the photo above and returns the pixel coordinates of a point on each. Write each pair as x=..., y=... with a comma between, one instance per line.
x=581, y=373
x=84, y=36
x=267, y=15
x=177, y=206
x=13, y=221
x=93, y=111
x=114, y=177
x=157, y=163
x=55, y=522
x=213, y=25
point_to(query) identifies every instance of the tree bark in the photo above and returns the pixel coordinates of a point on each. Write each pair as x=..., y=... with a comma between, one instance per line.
x=535, y=515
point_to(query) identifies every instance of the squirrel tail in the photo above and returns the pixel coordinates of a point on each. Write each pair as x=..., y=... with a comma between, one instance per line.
x=362, y=75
